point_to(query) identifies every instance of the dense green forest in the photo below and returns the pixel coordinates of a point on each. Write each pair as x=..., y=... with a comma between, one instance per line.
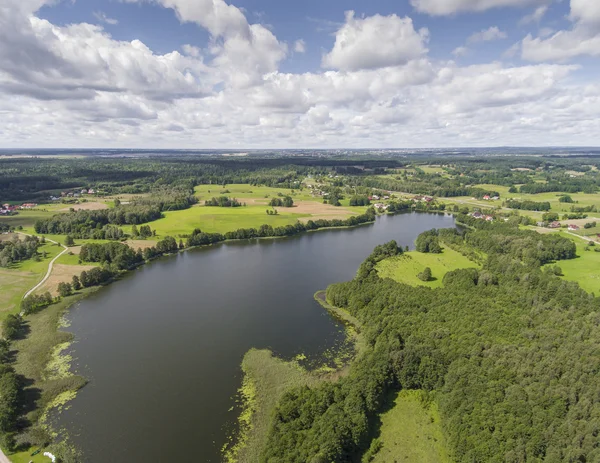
x=36, y=179
x=511, y=351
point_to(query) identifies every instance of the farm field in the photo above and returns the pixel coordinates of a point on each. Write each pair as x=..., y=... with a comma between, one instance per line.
x=253, y=215
x=406, y=267
x=411, y=431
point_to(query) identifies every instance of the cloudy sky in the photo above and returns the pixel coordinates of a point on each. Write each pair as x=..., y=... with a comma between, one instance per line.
x=293, y=74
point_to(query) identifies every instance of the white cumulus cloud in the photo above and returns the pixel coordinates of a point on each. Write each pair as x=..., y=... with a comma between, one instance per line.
x=582, y=39
x=375, y=42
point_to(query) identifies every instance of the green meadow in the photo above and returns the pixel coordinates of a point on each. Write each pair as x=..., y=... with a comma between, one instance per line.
x=244, y=191
x=19, y=278
x=406, y=267
x=411, y=431
x=218, y=220
x=585, y=269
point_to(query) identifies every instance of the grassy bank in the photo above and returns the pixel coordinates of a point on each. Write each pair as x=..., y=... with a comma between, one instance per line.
x=266, y=379
x=44, y=369
x=406, y=267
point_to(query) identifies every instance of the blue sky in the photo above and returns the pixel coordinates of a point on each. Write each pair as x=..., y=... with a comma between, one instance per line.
x=269, y=73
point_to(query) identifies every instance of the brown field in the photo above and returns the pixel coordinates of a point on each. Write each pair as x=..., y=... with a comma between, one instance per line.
x=140, y=244
x=7, y=236
x=89, y=206
x=61, y=273
x=74, y=250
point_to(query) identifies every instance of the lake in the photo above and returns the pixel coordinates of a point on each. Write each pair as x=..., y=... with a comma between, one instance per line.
x=162, y=347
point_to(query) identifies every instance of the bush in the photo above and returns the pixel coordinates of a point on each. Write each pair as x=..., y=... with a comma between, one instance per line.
x=425, y=275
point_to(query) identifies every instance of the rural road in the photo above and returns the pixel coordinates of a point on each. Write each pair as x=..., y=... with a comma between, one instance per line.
x=28, y=293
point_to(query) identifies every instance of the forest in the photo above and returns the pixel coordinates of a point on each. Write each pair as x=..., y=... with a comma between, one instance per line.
x=510, y=350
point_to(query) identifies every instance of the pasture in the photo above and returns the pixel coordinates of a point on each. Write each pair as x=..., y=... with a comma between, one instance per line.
x=405, y=268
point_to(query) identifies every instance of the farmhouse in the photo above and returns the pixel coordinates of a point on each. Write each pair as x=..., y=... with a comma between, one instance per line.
x=554, y=225
x=573, y=227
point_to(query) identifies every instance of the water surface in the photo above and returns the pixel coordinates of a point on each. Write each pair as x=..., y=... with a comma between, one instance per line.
x=162, y=347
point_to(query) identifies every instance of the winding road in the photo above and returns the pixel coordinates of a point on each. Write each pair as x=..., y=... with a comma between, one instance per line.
x=50, y=265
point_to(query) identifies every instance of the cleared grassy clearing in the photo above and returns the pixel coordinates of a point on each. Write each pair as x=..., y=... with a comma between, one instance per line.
x=14, y=285
x=27, y=218
x=411, y=431
x=406, y=267
x=266, y=379
x=219, y=220
x=20, y=278
x=584, y=270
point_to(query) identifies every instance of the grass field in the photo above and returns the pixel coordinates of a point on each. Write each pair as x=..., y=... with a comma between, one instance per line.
x=585, y=269
x=245, y=191
x=406, y=267
x=266, y=379
x=218, y=220
x=19, y=278
x=411, y=432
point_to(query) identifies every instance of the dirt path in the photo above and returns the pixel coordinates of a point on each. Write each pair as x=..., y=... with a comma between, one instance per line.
x=50, y=265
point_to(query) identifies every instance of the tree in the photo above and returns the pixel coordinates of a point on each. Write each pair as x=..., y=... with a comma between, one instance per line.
x=425, y=275
x=145, y=232
x=65, y=289
x=69, y=241
x=565, y=199
x=134, y=231
x=11, y=326
x=76, y=284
